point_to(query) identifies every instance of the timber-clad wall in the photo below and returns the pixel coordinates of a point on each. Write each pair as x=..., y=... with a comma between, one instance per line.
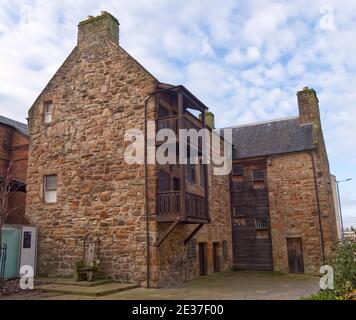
x=250, y=250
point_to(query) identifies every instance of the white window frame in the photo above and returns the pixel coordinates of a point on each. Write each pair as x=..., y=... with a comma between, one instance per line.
x=48, y=113
x=50, y=193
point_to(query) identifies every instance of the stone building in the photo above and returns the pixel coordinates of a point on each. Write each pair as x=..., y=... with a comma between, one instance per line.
x=156, y=224
x=283, y=211
x=14, y=144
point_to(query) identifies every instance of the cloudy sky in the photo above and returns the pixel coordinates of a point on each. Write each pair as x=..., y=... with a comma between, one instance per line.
x=245, y=59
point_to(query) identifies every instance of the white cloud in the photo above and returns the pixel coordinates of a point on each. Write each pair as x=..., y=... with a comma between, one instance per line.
x=245, y=59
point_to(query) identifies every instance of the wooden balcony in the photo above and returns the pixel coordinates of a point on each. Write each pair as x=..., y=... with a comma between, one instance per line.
x=169, y=207
x=171, y=122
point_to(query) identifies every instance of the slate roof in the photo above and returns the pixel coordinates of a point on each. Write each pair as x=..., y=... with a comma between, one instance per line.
x=274, y=137
x=17, y=125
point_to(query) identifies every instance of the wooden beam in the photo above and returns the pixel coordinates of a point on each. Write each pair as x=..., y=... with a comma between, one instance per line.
x=194, y=232
x=206, y=173
x=167, y=232
x=181, y=165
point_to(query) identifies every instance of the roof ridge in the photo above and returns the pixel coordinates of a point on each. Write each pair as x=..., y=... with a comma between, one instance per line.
x=261, y=122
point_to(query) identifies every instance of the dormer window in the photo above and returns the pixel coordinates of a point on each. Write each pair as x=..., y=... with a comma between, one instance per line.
x=48, y=106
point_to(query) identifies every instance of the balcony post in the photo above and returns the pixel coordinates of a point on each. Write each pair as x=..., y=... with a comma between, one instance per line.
x=181, y=166
x=206, y=176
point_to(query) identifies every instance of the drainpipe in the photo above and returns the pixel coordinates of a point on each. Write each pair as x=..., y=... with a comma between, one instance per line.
x=318, y=206
x=146, y=194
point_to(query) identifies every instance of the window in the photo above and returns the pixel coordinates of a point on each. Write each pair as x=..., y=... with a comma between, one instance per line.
x=191, y=177
x=48, y=106
x=237, y=170
x=258, y=175
x=164, y=181
x=176, y=184
x=27, y=238
x=261, y=224
x=238, y=212
x=192, y=245
x=50, y=189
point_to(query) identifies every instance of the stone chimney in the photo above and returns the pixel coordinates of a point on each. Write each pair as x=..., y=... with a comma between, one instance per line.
x=95, y=30
x=308, y=104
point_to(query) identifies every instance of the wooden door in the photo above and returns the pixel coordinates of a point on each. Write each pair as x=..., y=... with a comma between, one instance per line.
x=216, y=257
x=295, y=255
x=203, y=268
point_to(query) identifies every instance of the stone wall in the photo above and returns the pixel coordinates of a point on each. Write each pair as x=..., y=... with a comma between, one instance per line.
x=174, y=265
x=294, y=211
x=98, y=94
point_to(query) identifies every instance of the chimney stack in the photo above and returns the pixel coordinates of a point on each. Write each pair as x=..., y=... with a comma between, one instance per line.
x=95, y=30
x=308, y=104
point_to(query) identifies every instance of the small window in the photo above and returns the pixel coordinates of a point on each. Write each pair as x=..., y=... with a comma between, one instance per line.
x=164, y=181
x=48, y=106
x=27, y=238
x=258, y=175
x=176, y=184
x=237, y=170
x=239, y=212
x=192, y=245
x=261, y=224
x=50, y=189
x=191, y=176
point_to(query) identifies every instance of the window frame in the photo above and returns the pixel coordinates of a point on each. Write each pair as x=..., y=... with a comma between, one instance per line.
x=261, y=224
x=47, y=191
x=258, y=175
x=47, y=115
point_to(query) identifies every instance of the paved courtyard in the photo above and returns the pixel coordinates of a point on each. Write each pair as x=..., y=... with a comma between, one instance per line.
x=231, y=285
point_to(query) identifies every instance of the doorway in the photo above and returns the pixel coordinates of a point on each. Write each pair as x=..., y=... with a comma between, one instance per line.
x=203, y=265
x=216, y=257
x=295, y=255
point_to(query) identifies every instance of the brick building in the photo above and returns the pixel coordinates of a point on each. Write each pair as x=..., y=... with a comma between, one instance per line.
x=144, y=215
x=167, y=223
x=282, y=198
x=14, y=144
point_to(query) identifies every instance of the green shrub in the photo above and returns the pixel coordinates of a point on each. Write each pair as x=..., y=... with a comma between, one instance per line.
x=343, y=261
x=325, y=295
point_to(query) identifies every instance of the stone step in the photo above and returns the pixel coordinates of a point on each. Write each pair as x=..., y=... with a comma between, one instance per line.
x=97, y=290
x=71, y=282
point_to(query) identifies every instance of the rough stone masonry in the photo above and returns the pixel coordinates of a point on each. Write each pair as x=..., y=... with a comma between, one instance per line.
x=98, y=94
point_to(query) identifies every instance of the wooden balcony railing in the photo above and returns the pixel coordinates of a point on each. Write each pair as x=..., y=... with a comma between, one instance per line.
x=195, y=206
x=168, y=204
x=171, y=122
x=169, y=208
